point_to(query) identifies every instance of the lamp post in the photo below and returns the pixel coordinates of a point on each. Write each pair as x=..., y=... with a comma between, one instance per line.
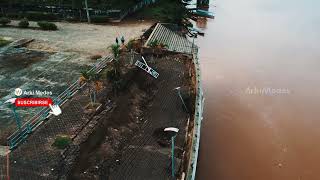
x=179, y=94
x=173, y=133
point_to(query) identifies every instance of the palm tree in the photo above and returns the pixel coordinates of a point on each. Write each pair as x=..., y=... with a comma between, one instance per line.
x=115, y=49
x=114, y=75
x=92, y=79
x=87, y=10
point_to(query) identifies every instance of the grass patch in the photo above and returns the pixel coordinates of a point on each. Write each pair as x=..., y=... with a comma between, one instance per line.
x=4, y=42
x=62, y=141
x=47, y=26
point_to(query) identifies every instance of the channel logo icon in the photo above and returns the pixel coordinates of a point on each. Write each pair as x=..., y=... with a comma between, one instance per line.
x=18, y=91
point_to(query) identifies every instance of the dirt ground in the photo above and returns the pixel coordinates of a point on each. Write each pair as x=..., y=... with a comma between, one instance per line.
x=123, y=138
x=130, y=136
x=77, y=37
x=118, y=143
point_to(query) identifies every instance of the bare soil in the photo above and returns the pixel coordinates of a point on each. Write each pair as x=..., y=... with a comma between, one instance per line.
x=77, y=37
x=117, y=131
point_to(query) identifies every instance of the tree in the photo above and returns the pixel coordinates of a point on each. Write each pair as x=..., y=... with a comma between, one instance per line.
x=115, y=74
x=92, y=79
x=115, y=49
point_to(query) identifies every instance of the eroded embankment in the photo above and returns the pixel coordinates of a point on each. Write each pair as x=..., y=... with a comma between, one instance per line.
x=116, y=126
x=133, y=126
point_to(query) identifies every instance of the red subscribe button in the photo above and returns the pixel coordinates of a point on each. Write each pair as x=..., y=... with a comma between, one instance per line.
x=32, y=102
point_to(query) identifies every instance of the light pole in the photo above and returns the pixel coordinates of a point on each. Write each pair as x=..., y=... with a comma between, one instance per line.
x=179, y=94
x=173, y=133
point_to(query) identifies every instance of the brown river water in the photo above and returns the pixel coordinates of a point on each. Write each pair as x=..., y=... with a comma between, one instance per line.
x=260, y=64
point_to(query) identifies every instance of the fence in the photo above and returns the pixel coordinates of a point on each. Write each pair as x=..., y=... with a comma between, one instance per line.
x=31, y=125
x=66, y=12
x=199, y=104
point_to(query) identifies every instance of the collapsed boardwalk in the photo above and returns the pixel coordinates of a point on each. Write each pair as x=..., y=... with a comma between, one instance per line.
x=145, y=158
x=141, y=158
x=132, y=149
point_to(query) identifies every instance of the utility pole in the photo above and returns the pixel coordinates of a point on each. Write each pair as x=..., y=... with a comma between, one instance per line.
x=87, y=10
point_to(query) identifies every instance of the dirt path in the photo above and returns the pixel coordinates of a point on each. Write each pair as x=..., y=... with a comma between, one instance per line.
x=78, y=37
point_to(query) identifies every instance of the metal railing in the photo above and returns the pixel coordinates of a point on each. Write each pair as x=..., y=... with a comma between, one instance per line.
x=198, y=116
x=31, y=125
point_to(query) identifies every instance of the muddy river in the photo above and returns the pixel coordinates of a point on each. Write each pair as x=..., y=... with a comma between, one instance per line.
x=260, y=70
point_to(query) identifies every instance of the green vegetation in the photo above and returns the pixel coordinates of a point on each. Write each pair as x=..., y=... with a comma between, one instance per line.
x=4, y=42
x=171, y=11
x=130, y=44
x=99, y=19
x=24, y=23
x=115, y=48
x=101, y=4
x=40, y=16
x=157, y=44
x=61, y=141
x=4, y=21
x=44, y=25
x=34, y=16
x=92, y=80
x=154, y=44
x=114, y=75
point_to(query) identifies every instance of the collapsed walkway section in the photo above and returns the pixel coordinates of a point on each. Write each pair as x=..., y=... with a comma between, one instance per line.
x=165, y=34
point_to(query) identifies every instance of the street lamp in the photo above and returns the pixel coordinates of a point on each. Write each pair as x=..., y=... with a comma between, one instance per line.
x=172, y=131
x=11, y=105
x=179, y=94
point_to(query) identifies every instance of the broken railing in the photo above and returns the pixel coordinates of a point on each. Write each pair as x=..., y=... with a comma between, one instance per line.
x=31, y=125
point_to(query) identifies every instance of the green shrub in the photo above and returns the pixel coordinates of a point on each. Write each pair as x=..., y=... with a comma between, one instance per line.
x=14, y=15
x=40, y=16
x=4, y=42
x=130, y=44
x=113, y=75
x=72, y=19
x=44, y=25
x=4, y=21
x=61, y=141
x=24, y=23
x=154, y=44
x=99, y=19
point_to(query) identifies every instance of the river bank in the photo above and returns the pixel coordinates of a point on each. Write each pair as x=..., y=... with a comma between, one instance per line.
x=153, y=105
